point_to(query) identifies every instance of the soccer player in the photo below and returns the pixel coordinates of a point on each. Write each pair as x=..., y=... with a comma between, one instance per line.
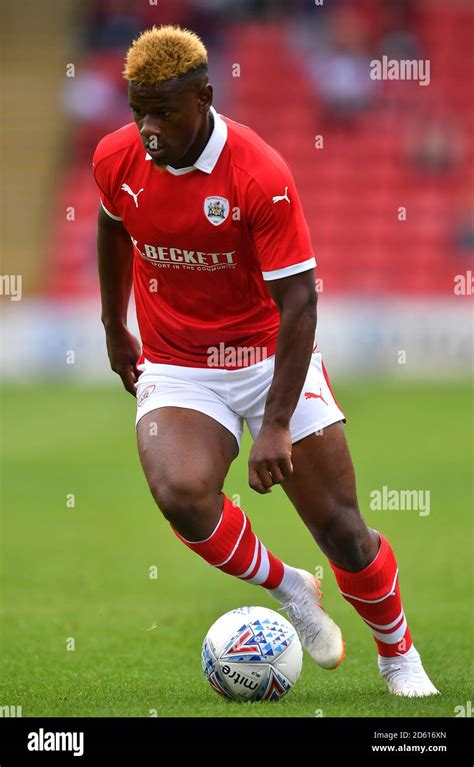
x=203, y=218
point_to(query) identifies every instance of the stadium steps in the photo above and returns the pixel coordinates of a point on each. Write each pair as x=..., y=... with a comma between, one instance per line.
x=36, y=48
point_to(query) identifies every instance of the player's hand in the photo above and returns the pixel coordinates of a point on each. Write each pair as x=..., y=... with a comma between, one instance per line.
x=270, y=458
x=124, y=350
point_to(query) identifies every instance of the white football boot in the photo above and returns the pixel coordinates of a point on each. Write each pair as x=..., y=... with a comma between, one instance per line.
x=406, y=676
x=318, y=633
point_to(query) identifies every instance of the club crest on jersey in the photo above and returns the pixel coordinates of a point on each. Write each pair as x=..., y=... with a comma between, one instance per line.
x=216, y=209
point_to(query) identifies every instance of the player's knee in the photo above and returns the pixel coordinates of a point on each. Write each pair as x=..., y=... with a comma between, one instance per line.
x=338, y=523
x=345, y=537
x=181, y=498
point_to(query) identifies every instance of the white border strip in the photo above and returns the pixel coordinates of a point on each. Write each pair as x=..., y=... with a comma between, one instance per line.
x=111, y=215
x=287, y=271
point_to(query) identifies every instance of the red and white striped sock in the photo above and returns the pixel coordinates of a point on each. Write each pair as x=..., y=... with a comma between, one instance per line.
x=375, y=594
x=234, y=548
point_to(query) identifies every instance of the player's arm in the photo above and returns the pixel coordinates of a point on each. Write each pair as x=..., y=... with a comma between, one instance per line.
x=296, y=299
x=115, y=260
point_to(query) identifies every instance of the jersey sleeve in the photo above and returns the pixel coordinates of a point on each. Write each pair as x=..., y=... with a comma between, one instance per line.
x=278, y=225
x=102, y=176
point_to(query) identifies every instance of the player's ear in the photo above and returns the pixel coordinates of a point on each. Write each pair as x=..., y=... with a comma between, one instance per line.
x=205, y=98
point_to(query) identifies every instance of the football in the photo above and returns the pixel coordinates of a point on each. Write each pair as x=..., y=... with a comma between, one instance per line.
x=252, y=654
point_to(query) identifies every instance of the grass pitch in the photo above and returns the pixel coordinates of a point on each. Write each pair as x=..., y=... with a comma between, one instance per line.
x=87, y=632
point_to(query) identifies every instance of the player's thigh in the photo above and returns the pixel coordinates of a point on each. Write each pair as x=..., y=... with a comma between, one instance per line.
x=322, y=483
x=184, y=453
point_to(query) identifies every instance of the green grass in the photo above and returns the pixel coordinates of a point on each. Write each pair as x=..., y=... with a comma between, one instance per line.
x=83, y=572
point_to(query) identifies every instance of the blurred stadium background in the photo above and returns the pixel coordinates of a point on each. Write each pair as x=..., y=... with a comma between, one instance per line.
x=395, y=328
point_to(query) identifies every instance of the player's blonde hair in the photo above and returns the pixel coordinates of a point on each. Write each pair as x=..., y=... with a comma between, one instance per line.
x=161, y=53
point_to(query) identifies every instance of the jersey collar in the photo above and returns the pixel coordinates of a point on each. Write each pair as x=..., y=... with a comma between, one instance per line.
x=210, y=154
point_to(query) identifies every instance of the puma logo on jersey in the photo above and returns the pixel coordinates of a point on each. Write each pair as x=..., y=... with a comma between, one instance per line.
x=126, y=188
x=280, y=197
x=312, y=395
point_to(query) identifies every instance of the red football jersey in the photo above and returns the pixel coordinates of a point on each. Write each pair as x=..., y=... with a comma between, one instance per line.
x=205, y=239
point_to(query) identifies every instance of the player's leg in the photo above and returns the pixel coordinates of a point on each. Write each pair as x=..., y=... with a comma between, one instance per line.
x=322, y=489
x=185, y=455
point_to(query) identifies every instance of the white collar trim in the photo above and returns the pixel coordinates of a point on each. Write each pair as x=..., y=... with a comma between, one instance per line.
x=209, y=156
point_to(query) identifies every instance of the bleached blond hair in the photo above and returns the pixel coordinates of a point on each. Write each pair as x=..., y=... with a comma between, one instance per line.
x=161, y=53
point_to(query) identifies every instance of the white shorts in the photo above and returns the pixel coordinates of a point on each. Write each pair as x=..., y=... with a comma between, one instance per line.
x=234, y=396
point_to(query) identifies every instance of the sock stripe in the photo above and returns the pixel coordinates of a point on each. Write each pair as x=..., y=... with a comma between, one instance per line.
x=394, y=636
x=275, y=566
x=234, y=549
x=373, y=601
x=374, y=592
x=385, y=626
x=254, y=559
x=256, y=565
x=221, y=564
x=264, y=568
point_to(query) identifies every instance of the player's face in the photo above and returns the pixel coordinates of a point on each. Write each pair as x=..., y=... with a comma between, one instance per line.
x=171, y=121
